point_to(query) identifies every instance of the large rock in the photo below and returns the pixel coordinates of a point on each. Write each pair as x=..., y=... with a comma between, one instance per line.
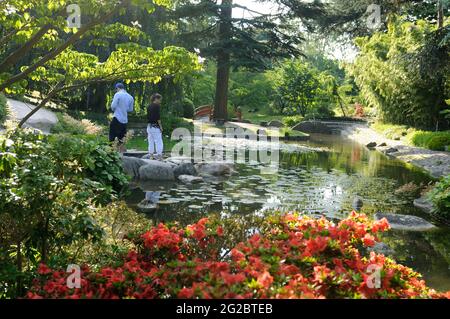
x=179, y=160
x=357, y=203
x=156, y=171
x=185, y=169
x=275, y=123
x=371, y=145
x=406, y=222
x=214, y=169
x=131, y=166
x=147, y=207
x=312, y=127
x=189, y=179
x=387, y=150
x=424, y=204
x=382, y=248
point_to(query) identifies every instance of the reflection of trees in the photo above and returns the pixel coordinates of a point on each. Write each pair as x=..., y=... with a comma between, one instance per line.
x=425, y=252
x=440, y=240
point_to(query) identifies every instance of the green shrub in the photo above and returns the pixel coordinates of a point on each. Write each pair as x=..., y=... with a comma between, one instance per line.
x=188, y=109
x=3, y=108
x=292, y=120
x=431, y=140
x=48, y=189
x=100, y=119
x=69, y=125
x=440, y=196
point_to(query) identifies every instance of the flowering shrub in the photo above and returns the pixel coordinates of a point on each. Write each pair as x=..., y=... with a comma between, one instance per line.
x=293, y=256
x=359, y=111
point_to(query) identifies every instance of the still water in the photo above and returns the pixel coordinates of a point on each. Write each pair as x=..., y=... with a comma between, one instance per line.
x=320, y=177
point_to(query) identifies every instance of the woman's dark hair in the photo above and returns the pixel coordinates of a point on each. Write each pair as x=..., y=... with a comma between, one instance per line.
x=155, y=96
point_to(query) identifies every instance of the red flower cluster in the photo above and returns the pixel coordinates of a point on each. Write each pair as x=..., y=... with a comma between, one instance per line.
x=294, y=257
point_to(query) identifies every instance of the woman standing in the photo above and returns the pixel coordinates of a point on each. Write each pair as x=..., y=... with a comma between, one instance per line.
x=154, y=128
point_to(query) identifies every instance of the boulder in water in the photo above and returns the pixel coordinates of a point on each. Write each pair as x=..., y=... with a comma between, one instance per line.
x=214, y=169
x=185, y=169
x=382, y=248
x=131, y=166
x=189, y=179
x=357, y=203
x=371, y=145
x=388, y=150
x=147, y=206
x=156, y=171
x=406, y=222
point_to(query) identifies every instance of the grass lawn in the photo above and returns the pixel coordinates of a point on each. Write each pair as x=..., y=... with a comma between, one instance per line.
x=260, y=116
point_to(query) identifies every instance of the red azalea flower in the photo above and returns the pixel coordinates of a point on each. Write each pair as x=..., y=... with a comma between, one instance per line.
x=186, y=293
x=43, y=269
x=265, y=279
x=369, y=240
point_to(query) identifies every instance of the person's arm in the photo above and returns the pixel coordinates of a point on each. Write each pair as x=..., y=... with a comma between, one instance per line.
x=159, y=117
x=131, y=105
x=115, y=103
x=160, y=125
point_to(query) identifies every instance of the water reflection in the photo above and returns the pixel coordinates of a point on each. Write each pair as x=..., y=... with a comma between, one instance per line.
x=320, y=182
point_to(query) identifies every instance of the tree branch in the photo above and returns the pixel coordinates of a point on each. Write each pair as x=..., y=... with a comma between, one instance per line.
x=52, y=54
x=52, y=93
x=24, y=49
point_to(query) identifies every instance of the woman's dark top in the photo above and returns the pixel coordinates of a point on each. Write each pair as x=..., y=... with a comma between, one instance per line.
x=154, y=114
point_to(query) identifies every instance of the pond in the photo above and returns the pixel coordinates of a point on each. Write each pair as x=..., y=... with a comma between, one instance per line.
x=320, y=177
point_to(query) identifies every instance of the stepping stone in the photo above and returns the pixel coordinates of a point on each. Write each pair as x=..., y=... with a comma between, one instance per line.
x=424, y=204
x=405, y=222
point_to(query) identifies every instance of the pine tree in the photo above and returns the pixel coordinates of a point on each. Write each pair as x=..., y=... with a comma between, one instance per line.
x=253, y=42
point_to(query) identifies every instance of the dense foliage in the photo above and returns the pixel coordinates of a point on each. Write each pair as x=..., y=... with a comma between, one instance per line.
x=294, y=256
x=48, y=187
x=3, y=108
x=404, y=73
x=437, y=141
x=440, y=196
x=305, y=87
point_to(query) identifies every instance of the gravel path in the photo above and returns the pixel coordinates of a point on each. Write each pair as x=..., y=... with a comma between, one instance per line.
x=42, y=120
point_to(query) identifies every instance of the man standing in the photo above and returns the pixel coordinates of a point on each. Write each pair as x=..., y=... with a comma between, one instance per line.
x=122, y=104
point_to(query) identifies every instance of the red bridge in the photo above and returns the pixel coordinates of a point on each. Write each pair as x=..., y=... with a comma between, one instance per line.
x=204, y=111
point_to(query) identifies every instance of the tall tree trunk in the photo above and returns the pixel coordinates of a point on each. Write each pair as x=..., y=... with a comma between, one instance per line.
x=440, y=16
x=223, y=63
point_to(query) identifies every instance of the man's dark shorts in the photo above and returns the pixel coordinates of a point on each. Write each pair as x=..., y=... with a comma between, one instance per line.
x=117, y=130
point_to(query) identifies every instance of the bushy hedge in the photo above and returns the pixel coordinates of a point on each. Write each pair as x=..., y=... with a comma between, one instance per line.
x=293, y=256
x=432, y=140
x=184, y=108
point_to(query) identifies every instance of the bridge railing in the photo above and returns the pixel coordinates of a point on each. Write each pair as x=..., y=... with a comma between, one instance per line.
x=203, y=111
